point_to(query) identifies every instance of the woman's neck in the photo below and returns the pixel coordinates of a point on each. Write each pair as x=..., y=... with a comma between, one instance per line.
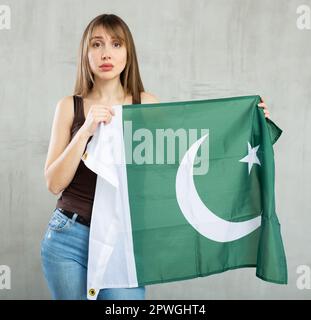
x=107, y=92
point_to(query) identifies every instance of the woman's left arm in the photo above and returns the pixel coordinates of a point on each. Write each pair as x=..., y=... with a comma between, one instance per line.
x=147, y=97
x=265, y=108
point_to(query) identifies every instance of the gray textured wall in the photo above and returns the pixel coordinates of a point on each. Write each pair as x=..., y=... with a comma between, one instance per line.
x=187, y=49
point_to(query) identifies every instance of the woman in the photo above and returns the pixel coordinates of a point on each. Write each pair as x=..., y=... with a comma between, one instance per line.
x=108, y=75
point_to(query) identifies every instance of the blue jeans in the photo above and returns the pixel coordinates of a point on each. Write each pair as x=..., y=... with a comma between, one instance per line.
x=64, y=255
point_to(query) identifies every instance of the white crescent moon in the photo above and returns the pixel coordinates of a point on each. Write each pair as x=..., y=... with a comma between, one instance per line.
x=197, y=214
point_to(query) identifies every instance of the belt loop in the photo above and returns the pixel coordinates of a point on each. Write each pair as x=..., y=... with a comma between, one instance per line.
x=74, y=217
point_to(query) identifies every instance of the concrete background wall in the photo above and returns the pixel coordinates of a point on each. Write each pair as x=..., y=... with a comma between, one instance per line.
x=187, y=49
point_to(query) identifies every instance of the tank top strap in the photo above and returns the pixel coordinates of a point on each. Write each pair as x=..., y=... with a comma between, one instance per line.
x=78, y=109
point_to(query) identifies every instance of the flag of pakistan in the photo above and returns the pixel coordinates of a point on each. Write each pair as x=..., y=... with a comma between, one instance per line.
x=200, y=180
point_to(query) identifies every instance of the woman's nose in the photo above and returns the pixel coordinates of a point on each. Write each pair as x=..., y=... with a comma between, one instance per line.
x=105, y=55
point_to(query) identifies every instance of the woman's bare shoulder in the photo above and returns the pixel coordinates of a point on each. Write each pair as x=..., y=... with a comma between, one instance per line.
x=65, y=110
x=147, y=97
x=65, y=101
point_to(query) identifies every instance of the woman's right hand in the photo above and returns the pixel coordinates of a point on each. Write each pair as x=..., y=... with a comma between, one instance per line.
x=97, y=113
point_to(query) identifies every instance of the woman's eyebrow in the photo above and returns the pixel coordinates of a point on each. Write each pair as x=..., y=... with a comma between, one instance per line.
x=100, y=37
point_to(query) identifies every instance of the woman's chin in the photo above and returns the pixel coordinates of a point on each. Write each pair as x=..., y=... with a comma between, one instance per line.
x=105, y=76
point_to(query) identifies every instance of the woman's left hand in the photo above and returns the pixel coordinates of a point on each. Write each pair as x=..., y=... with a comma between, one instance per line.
x=265, y=108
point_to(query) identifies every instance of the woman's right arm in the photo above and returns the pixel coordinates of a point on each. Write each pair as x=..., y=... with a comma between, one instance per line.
x=63, y=155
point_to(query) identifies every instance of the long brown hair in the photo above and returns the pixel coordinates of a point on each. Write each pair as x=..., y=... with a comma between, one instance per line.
x=129, y=77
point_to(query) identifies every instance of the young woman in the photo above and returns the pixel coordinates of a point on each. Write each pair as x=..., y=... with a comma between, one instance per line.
x=108, y=75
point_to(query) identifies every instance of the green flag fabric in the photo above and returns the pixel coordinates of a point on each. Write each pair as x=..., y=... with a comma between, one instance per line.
x=200, y=188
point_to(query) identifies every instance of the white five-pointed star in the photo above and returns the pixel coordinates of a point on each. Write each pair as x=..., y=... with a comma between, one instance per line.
x=251, y=158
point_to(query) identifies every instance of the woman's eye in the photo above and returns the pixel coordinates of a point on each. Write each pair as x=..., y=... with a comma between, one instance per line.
x=98, y=44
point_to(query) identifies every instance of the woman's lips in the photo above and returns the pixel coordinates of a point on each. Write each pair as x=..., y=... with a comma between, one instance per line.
x=105, y=68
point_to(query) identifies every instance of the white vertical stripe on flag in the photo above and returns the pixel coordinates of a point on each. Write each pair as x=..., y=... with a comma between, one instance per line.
x=111, y=262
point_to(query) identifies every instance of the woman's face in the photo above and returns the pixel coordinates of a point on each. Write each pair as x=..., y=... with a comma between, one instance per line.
x=105, y=50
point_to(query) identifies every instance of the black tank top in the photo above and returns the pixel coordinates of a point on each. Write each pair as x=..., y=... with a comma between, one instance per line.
x=78, y=196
